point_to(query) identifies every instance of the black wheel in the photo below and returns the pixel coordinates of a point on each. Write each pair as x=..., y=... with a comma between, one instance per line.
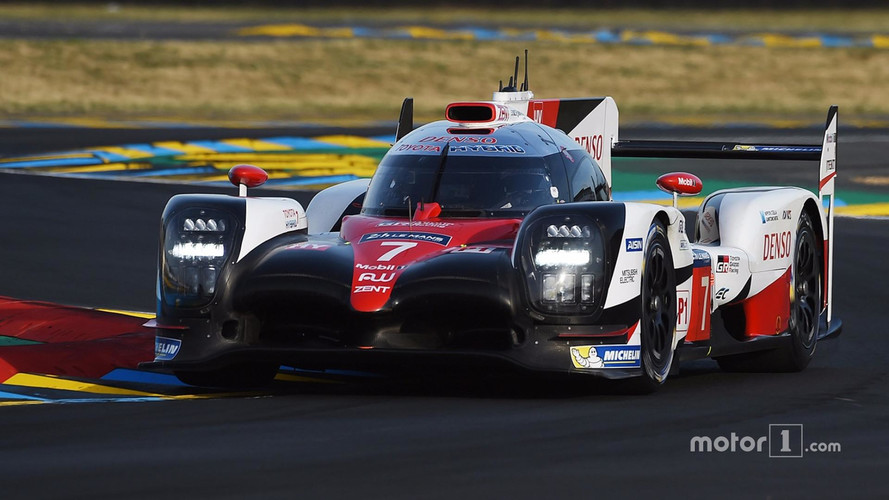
x=238, y=376
x=658, y=319
x=805, y=305
x=805, y=311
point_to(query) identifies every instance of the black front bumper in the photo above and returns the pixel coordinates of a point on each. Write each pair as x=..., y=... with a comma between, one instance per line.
x=542, y=350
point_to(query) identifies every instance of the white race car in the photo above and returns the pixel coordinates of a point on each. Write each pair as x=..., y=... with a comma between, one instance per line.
x=490, y=239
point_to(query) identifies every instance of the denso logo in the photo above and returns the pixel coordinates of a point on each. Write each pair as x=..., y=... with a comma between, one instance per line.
x=592, y=144
x=460, y=138
x=776, y=245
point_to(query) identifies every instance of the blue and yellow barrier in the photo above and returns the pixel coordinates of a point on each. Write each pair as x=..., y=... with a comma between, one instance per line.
x=604, y=36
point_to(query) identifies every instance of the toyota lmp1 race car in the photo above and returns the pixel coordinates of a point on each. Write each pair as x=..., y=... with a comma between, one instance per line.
x=490, y=239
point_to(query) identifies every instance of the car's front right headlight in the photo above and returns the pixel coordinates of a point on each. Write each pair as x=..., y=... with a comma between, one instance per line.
x=196, y=244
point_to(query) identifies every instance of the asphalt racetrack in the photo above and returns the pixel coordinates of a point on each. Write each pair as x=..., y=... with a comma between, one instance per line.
x=94, y=243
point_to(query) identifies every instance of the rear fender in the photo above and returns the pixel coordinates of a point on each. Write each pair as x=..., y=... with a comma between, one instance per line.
x=760, y=221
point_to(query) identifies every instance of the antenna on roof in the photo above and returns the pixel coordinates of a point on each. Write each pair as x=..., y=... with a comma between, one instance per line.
x=515, y=89
x=525, y=85
x=515, y=77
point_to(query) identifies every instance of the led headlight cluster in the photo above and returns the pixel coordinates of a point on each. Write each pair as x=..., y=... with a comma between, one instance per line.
x=204, y=225
x=196, y=245
x=567, y=256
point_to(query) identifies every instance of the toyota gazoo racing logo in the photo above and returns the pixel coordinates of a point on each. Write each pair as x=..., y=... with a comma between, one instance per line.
x=728, y=264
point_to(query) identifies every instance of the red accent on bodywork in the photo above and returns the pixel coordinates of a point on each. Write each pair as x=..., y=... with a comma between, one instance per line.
x=154, y=324
x=768, y=311
x=75, y=342
x=247, y=175
x=680, y=182
x=45, y=322
x=379, y=261
x=825, y=180
x=481, y=112
x=545, y=111
x=617, y=333
x=426, y=211
x=699, y=323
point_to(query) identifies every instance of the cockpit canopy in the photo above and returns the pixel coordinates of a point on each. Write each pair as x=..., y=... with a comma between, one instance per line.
x=467, y=186
x=504, y=172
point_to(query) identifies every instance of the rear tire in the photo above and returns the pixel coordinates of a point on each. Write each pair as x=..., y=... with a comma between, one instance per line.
x=805, y=312
x=240, y=376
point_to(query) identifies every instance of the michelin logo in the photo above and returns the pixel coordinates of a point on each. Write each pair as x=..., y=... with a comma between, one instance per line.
x=606, y=356
x=165, y=348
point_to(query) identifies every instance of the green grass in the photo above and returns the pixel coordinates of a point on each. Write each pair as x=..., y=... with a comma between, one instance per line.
x=369, y=78
x=310, y=79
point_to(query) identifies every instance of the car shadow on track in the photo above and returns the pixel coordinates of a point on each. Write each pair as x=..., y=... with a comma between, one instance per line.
x=497, y=385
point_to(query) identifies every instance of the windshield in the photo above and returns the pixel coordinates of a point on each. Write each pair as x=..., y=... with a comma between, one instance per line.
x=467, y=186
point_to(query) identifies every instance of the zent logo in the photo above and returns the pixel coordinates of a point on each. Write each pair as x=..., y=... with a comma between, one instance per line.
x=634, y=244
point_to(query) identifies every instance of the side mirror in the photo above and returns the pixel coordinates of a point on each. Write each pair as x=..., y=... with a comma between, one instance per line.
x=680, y=184
x=245, y=176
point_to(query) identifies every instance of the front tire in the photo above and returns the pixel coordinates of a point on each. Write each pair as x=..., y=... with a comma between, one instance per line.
x=658, y=318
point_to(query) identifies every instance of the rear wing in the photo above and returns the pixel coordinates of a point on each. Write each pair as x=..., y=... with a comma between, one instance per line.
x=825, y=154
